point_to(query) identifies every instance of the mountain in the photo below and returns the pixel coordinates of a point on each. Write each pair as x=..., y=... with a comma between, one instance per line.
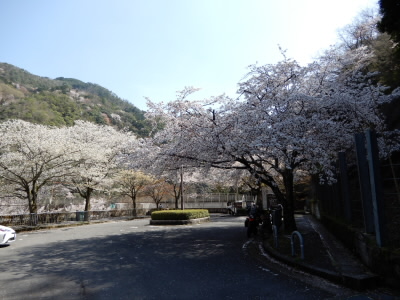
x=61, y=101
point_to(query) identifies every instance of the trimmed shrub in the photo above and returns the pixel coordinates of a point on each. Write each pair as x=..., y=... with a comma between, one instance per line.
x=180, y=214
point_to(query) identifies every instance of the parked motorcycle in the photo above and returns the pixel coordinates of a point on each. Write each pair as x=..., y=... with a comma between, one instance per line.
x=252, y=225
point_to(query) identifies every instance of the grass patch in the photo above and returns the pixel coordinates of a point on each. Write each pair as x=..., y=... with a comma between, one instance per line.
x=180, y=214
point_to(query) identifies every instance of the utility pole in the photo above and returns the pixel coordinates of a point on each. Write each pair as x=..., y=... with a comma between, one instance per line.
x=182, y=204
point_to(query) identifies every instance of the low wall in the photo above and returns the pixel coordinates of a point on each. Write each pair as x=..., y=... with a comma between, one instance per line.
x=179, y=222
x=382, y=261
x=205, y=205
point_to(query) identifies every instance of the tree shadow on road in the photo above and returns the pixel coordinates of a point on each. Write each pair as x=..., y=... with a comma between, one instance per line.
x=138, y=264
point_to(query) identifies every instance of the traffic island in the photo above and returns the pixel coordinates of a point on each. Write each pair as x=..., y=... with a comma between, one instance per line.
x=179, y=217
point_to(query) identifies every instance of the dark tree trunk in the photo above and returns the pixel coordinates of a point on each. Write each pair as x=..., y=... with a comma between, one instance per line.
x=288, y=211
x=87, y=202
x=133, y=196
x=287, y=199
x=177, y=195
x=32, y=195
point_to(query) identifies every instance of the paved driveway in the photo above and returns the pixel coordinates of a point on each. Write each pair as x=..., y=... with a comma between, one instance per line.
x=133, y=260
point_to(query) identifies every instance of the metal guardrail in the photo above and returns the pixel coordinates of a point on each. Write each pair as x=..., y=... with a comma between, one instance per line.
x=301, y=241
x=61, y=217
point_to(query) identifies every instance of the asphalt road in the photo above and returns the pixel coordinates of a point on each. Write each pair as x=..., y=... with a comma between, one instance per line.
x=133, y=260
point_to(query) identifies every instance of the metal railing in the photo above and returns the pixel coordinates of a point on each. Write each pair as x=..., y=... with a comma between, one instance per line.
x=61, y=217
x=209, y=201
x=217, y=200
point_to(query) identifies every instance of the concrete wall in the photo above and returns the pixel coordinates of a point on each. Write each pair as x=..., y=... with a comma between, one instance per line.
x=382, y=261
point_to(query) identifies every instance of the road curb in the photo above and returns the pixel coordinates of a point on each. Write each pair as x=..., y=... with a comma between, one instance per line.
x=354, y=281
x=179, y=222
x=25, y=228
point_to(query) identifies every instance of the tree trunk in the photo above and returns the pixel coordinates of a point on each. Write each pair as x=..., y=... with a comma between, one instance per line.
x=32, y=200
x=87, y=202
x=288, y=211
x=286, y=199
x=31, y=205
x=177, y=195
x=34, y=204
x=133, y=197
x=177, y=200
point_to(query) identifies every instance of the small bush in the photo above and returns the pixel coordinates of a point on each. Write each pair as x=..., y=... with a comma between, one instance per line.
x=180, y=214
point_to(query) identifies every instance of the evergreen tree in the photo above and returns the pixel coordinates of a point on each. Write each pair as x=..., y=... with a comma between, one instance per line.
x=390, y=23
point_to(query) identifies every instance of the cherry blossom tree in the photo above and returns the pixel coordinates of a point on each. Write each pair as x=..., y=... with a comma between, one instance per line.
x=131, y=183
x=33, y=156
x=84, y=155
x=362, y=31
x=99, y=148
x=158, y=190
x=173, y=178
x=287, y=119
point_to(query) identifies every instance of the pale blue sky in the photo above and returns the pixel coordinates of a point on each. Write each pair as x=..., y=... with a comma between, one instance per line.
x=153, y=48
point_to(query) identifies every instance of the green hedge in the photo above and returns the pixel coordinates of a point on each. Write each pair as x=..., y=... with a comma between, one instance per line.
x=180, y=214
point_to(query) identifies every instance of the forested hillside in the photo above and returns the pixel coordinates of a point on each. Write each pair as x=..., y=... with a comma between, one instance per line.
x=61, y=101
